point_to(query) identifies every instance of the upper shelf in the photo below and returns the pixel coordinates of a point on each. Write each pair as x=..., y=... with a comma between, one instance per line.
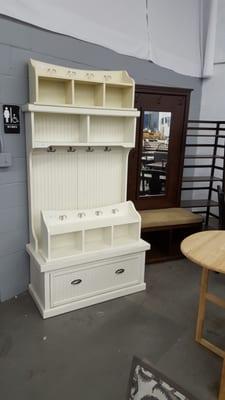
x=36, y=108
x=56, y=85
x=57, y=129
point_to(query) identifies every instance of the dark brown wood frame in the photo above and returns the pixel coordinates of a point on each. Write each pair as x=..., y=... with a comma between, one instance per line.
x=174, y=181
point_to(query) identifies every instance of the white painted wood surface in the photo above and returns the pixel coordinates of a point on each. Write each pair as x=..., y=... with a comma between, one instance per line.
x=85, y=244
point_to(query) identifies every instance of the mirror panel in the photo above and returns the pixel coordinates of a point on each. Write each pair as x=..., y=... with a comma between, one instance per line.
x=154, y=154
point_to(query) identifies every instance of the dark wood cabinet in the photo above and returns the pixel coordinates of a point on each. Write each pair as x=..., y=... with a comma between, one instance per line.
x=157, y=184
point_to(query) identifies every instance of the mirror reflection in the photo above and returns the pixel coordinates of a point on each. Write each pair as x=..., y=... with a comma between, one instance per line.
x=155, y=143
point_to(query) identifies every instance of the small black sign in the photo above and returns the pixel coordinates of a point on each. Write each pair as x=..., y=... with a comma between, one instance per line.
x=11, y=117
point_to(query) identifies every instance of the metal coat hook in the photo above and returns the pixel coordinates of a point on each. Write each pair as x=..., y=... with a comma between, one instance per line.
x=98, y=212
x=51, y=149
x=71, y=149
x=107, y=148
x=81, y=214
x=90, y=149
x=62, y=217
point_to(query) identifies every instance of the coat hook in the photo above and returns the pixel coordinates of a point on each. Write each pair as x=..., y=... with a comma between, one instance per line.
x=81, y=214
x=107, y=148
x=51, y=149
x=90, y=149
x=71, y=149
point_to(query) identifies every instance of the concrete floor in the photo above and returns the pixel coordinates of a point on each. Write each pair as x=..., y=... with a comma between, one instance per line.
x=87, y=354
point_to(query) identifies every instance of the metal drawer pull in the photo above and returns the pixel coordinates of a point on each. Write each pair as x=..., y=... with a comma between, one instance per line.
x=76, y=282
x=120, y=271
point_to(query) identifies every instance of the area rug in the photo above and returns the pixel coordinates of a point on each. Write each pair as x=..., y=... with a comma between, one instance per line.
x=146, y=383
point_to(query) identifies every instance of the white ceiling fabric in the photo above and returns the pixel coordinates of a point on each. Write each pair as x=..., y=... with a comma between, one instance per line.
x=175, y=34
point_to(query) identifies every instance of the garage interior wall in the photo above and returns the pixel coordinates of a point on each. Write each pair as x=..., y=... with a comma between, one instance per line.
x=18, y=43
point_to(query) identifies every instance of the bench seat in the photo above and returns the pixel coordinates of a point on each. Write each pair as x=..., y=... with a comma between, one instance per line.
x=166, y=217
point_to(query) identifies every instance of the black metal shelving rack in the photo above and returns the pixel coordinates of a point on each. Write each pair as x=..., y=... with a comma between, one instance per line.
x=215, y=132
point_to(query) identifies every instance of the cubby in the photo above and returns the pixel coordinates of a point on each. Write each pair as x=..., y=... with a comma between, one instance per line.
x=88, y=94
x=62, y=129
x=125, y=234
x=112, y=130
x=66, y=244
x=165, y=243
x=55, y=91
x=50, y=84
x=118, y=96
x=51, y=126
x=70, y=232
x=97, y=239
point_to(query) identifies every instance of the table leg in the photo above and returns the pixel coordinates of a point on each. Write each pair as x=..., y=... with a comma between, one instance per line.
x=202, y=304
x=222, y=383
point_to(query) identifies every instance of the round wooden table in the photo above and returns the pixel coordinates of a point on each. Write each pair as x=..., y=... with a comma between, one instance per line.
x=207, y=249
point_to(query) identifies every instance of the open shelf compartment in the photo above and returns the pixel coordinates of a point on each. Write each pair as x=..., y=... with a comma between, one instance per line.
x=125, y=234
x=55, y=91
x=97, y=239
x=71, y=232
x=52, y=128
x=88, y=94
x=53, y=84
x=58, y=129
x=66, y=244
x=111, y=130
x=118, y=96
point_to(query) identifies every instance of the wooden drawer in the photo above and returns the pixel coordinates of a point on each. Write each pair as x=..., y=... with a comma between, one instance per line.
x=74, y=284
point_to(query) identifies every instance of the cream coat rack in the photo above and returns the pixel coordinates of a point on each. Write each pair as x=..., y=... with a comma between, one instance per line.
x=85, y=244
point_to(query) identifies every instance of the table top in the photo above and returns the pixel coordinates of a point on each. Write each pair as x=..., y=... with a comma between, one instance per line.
x=206, y=249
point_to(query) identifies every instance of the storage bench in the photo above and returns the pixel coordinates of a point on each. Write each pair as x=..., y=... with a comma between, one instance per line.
x=165, y=229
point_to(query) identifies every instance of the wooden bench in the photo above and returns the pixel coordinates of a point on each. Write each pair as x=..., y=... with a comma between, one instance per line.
x=165, y=229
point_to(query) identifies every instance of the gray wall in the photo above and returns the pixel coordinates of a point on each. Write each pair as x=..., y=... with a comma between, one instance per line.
x=18, y=43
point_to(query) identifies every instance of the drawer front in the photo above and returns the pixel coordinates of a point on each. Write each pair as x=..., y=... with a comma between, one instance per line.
x=76, y=284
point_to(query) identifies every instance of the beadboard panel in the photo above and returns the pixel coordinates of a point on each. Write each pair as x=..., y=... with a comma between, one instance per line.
x=57, y=128
x=98, y=182
x=78, y=180
x=56, y=173
x=111, y=129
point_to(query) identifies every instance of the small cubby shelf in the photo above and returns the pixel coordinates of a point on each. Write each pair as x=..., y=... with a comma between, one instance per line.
x=55, y=91
x=59, y=128
x=55, y=129
x=118, y=96
x=97, y=239
x=125, y=234
x=65, y=87
x=112, y=129
x=70, y=233
x=66, y=244
x=88, y=94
